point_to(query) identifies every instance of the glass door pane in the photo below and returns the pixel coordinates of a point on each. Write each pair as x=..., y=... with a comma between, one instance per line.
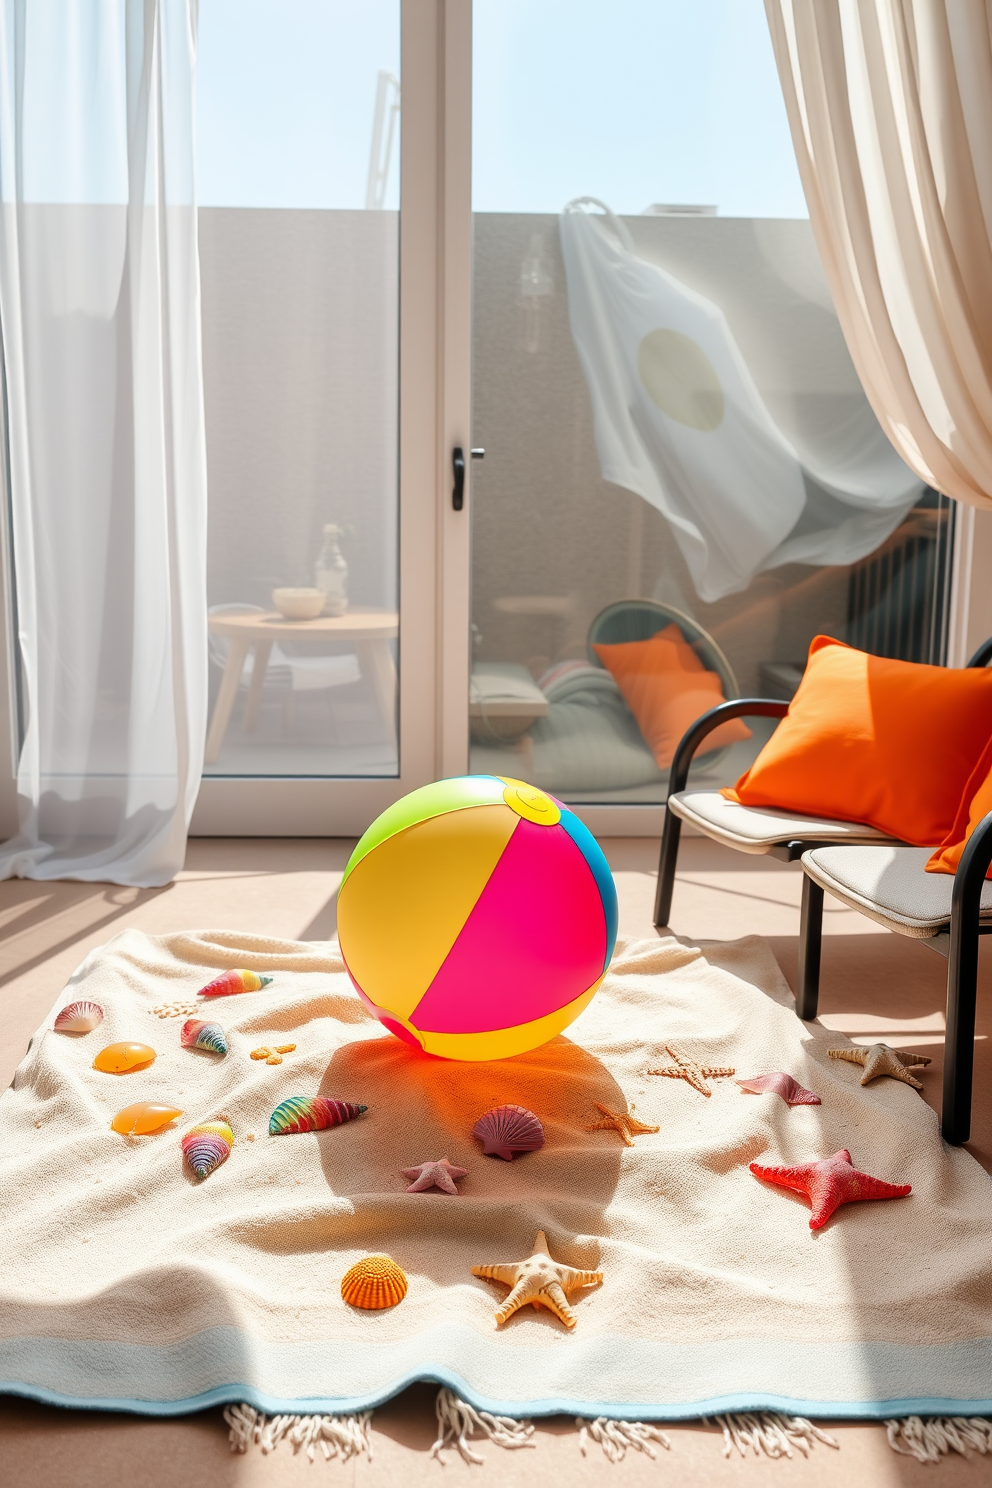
x=683, y=480
x=298, y=180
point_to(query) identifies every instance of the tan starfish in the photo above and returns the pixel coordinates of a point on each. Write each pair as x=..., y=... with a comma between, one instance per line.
x=692, y=1071
x=539, y=1281
x=624, y=1122
x=880, y=1059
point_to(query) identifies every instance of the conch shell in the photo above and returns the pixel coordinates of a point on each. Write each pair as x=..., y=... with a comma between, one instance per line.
x=207, y=1145
x=305, y=1113
x=779, y=1083
x=197, y=1035
x=79, y=1017
x=509, y=1129
x=230, y=982
x=374, y=1282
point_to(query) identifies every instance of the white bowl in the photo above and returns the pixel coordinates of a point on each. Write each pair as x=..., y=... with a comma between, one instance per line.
x=298, y=604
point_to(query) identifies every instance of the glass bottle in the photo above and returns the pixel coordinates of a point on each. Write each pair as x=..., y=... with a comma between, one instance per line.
x=332, y=572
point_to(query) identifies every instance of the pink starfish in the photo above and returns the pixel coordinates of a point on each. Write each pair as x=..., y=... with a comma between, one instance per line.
x=438, y=1174
x=829, y=1183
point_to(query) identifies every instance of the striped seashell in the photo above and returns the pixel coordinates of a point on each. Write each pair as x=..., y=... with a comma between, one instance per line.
x=79, y=1017
x=206, y=1146
x=509, y=1129
x=304, y=1113
x=779, y=1083
x=197, y=1035
x=374, y=1282
x=230, y=982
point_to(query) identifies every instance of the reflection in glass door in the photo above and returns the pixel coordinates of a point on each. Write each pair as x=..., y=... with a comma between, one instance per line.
x=298, y=180
x=684, y=481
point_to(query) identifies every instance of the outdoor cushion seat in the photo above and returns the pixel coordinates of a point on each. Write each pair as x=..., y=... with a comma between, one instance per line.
x=889, y=885
x=758, y=829
x=753, y=829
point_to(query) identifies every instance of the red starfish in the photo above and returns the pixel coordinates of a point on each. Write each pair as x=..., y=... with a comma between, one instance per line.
x=829, y=1183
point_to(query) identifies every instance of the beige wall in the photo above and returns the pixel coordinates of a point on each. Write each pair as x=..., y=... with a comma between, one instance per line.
x=300, y=384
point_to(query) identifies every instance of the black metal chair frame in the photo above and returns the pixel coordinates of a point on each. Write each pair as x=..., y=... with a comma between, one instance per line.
x=959, y=942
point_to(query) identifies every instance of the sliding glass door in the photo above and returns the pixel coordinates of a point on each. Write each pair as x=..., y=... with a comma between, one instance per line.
x=683, y=480
x=569, y=234
x=322, y=659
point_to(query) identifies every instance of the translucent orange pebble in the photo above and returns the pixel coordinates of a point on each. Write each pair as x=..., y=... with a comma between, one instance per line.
x=117, y=1059
x=145, y=1117
x=374, y=1282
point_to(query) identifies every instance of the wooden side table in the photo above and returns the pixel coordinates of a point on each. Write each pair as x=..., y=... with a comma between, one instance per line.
x=370, y=631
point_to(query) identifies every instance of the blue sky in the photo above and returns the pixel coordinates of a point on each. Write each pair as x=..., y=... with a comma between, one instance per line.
x=636, y=101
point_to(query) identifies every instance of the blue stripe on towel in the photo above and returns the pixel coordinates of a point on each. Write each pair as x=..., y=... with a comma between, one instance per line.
x=884, y=1379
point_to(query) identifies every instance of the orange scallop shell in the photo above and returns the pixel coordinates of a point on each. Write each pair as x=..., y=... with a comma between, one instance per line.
x=373, y=1282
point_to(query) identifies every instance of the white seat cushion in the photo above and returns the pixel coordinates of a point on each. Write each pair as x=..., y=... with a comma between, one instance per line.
x=757, y=829
x=889, y=885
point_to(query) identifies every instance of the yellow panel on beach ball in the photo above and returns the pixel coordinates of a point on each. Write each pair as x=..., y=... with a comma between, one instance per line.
x=402, y=908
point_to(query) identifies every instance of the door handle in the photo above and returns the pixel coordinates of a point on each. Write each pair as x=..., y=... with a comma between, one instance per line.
x=458, y=471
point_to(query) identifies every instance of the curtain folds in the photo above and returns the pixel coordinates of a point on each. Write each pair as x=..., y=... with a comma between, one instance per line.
x=890, y=106
x=100, y=320
x=678, y=418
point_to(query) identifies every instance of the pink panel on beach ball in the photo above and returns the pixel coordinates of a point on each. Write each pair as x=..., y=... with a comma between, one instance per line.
x=535, y=940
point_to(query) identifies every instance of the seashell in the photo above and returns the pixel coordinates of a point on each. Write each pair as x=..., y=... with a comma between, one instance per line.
x=145, y=1117
x=207, y=1145
x=373, y=1282
x=79, y=1017
x=230, y=982
x=509, y=1129
x=304, y=1113
x=781, y=1084
x=197, y=1035
x=117, y=1059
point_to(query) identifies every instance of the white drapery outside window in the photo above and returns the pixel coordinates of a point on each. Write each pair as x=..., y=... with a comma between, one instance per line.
x=890, y=106
x=100, y=319
x=677, y=418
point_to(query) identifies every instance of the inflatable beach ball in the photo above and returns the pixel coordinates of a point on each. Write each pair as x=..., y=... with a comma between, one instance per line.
x=477, y=917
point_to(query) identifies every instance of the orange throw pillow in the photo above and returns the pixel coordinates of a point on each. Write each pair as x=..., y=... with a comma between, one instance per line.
x=975, y=803
x=866, y=739
x=666, y=687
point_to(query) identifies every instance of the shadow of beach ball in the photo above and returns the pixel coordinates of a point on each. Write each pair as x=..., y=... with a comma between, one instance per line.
x=477, y=917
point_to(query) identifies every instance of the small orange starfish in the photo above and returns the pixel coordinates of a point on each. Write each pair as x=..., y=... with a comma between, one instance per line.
x=624, y=1122
x=692, y=1071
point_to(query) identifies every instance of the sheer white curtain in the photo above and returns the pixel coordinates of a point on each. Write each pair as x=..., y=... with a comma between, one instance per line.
x=100, y=317
x=890, y=105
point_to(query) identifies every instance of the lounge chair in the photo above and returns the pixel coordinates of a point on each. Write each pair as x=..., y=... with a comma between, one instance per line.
x=872, y=873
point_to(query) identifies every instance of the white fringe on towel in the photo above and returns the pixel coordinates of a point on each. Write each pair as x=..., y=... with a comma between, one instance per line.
x=931, y=1439
x=771, y=1433
x=457, y=1422
x=337, y=1436
x=618, y=1437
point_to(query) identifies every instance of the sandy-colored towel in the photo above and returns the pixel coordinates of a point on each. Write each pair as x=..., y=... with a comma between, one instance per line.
x=126, y=1282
